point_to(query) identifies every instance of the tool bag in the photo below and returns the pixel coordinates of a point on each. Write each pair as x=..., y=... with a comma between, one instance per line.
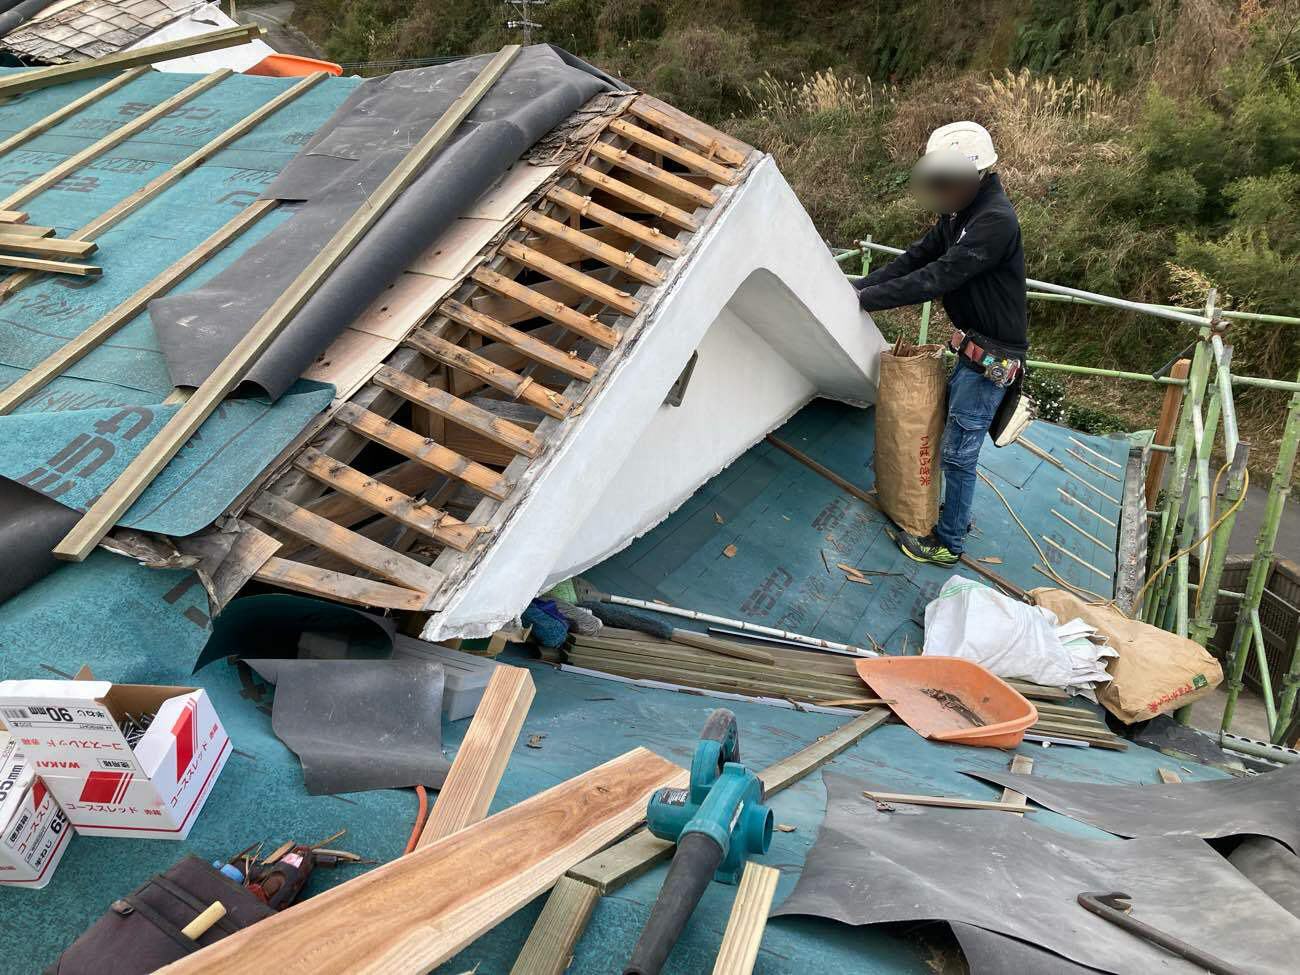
x=141, y=932
x=911, y=408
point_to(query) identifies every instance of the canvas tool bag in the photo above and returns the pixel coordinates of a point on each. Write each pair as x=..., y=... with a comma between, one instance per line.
x=1156, y=671
x=911, y=408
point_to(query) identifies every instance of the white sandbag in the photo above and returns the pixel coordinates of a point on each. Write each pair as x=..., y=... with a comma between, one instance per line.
x=1004, y=636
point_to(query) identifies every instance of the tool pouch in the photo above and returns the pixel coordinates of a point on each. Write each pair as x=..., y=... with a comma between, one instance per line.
x=141, y=932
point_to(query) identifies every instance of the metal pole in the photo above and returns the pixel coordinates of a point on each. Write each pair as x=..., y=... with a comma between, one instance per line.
x=1290, y=684
x=1265, y=678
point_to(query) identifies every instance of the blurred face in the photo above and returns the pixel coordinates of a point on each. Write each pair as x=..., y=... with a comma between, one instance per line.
x=945, y=181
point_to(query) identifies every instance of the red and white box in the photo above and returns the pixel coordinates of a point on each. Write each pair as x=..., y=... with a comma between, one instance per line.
x=70, y=729
x=34, y=832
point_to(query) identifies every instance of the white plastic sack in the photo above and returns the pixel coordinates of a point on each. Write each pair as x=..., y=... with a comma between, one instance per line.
x=1004, y=636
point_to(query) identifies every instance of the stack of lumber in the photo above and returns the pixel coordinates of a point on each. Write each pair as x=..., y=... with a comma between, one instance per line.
x=24, y=245
x=800, y=676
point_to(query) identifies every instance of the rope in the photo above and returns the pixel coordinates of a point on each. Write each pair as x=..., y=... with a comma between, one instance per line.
x=420, y=816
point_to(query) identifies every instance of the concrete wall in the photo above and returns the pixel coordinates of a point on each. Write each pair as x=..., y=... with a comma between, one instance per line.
x=775, y=322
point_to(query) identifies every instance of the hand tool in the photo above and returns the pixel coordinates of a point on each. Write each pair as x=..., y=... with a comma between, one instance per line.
x=1116, y=908
x=717, y=823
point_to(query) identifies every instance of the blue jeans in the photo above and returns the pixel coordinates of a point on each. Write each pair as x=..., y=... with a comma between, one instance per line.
x=972, y=403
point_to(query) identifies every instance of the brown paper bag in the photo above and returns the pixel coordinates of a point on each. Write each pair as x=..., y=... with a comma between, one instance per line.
x=1156, y=671
x=911, y=408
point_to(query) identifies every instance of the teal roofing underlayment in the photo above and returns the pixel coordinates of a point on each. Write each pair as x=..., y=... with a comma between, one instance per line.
x=778, y=514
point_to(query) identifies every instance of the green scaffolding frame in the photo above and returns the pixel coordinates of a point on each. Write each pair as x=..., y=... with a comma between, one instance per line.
x=1207, y=419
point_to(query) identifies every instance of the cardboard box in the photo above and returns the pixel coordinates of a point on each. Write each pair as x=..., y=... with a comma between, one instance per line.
x=34, y=832
x=70, y=729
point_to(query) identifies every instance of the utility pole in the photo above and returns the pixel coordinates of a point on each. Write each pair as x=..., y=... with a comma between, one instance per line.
x=521, y=16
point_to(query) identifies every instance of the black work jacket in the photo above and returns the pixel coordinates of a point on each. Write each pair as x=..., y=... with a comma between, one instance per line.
x=974, y=261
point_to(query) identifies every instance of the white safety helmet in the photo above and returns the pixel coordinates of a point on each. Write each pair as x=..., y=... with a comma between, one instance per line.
x=969, y=138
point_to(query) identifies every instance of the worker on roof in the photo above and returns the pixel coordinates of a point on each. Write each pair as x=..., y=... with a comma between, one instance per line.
x=971, y=258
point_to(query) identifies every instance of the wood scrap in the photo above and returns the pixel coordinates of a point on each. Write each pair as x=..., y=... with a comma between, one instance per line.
x=729, y=551
x=1168, y=776
x=748, y=920
x=408, y=916
x=50, y=266
x=948, y=802
x=1020, y=765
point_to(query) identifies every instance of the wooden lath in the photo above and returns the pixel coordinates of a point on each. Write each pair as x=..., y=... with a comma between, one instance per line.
x=533, y=328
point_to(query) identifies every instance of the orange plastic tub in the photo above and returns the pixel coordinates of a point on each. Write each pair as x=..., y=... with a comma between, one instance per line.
x=951, y=699
x=292, y=66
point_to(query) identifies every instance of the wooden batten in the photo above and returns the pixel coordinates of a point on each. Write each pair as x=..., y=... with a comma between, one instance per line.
x=623, y=159
x=671, y=150
x=40, y=247
x=556, y=311
x=638, y=198
x=640, y=232
x=591, y=247
x=712, y=143
x=50, y=266
x=519, y=387
x=584, y=283
x=526, y=344
x=337, y=586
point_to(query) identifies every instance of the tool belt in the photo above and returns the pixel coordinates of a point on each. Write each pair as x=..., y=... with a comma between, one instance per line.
x=999, y=367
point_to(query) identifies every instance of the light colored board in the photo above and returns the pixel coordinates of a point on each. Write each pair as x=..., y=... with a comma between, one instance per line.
x=564, y=917
x=407, y=916
x=638, y=198
x=349, y=361
x=337, y=586
x=67, y=111
x=1020, y=765
x=115, y=138
x=478, y=767
x=522, y=342
x=583, y=283
x=715, y=144
x=504, y=197
x=948, y=802
x=459, y=412
x=590, y=246
x=386, y=500
x=1169, y=776
x=58, y=362
x=546, y=306
x=114, y=502
x=451, y=254
x=519, y=387
x=650, y=236
x=402, y=305
x=50, y=267
x=623, y=159
x=625, y=861
x=26, y=230
x=672, y=150
x=55, y=247
x=12, y=216
x=345, y=544
x=25, y=81
x=748, y=920
x=436, y=457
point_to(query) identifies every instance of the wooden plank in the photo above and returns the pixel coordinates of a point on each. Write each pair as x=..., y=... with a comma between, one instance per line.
x=583, y=283
x=67, y=111
x=433, y=455
x=459, y=412
x=748, y=920
x=337, y=586
x=724, y=647
x=625, y=861
x=115, y=138
x=346, y=544
x=413, y=513
x=630, y=194
x=407, y=916
x=52, y=247
x=715, y=144
x=592, y=247
x=533, y=348
x=1020, y=765
x=1164, y=435
x=50, y=267
x=19, y=82
x=549, y=947
x=139, y=474
x=481, y=761
x=650, y=236
x=57, y=362
x=12, y=216
x=26, y=230
x=1168, y=776
x=519, y=387
x=556, y=311
x=623, y=159
x=948, y=802
x=671, y=150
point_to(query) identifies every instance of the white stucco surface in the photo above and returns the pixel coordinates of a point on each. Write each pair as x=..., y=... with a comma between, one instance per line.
x=775, y=323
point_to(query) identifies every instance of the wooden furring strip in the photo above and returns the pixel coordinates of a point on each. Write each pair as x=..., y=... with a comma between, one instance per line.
x=54, y=365
x=52, y=267
x=517, y=386
x=337, y=586
x=408, y=916
x=458, y=411
x=346, y=544
x=56, y=247
x=26, y=230
x=664, y=116
x=115, y=138
x=592, y=247
x=556, y=311
x=388, y=501
x=748, y=920
x=535, y=349
x=576, y=280
x=481, y=762
x=690, y=159
x=630, y=194
x=12, y=216
x=583, y=205
x=623, y=159
x=549, y=948
x=432, y=455
x=139, y=474
x=72, y=108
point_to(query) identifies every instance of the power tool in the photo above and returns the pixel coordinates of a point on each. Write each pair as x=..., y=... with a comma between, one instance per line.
x=717, y=823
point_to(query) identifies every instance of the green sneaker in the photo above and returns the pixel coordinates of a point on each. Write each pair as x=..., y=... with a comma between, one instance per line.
x=927, y=549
